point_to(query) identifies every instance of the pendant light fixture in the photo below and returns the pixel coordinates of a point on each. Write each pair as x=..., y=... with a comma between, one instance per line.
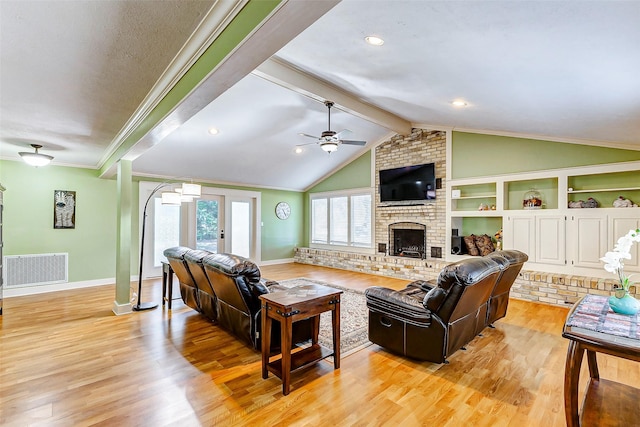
x=35, y=159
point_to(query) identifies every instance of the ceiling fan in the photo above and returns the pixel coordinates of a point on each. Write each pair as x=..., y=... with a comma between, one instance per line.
x=330, y=140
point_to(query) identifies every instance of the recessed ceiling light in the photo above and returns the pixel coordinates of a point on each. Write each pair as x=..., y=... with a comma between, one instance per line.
x=299, y=150
x=458, y=103
x=213, y=131
x=374, y=41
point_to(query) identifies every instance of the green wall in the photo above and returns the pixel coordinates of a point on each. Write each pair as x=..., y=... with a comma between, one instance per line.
x=356, y=174
x=485, y=155
x=28, y=217
x=280, y=237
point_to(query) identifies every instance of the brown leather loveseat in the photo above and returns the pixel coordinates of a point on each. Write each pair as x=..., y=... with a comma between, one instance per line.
x=430, y=321
x=225, y=288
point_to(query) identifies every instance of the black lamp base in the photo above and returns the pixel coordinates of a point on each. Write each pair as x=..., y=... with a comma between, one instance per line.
x=144, y=306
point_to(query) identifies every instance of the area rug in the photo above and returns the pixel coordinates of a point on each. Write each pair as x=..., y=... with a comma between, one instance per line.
x=354, y=318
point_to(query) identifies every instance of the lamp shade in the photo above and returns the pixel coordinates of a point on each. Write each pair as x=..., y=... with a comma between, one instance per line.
x=35, y=159
x=171, y=198
x=192, y=190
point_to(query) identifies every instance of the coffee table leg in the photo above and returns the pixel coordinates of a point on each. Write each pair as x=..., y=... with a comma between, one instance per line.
x=265, y=341
x=575, y=354
x=164, y=284
x=315, y=329
x=286, y=332
x=593, y=365
x=335, y=321
x=170, y=285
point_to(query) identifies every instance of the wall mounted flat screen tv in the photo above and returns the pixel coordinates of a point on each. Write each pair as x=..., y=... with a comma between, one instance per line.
x=407, y=183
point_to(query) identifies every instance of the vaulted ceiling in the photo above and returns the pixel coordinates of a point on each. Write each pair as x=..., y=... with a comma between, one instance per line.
x=97, y=81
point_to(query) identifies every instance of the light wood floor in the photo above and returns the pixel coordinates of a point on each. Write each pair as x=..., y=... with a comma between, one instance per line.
x=67, y=360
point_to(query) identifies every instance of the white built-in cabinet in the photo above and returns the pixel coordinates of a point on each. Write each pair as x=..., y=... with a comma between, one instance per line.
x=556, y=238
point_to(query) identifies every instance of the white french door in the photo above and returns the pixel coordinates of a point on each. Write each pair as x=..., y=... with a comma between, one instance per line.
x=162, y=230
x=222, y=220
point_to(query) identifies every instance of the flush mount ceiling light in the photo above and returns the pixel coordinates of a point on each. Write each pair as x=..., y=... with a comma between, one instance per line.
x=213, y=131
x=35, y=159
x=374, y=41
x=299, y=150
x=459, y=103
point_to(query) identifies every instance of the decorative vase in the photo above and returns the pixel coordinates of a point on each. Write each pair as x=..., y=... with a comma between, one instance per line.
x=623, y=303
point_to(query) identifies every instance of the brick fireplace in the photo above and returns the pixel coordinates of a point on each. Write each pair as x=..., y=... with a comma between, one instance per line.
x=421, y=146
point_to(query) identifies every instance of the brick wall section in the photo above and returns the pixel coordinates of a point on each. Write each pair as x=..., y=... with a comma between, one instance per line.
x=556, y=289
x=421, y=146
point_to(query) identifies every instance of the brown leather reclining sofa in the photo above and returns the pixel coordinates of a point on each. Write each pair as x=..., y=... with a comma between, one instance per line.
x=431, y=320
x=225, y=288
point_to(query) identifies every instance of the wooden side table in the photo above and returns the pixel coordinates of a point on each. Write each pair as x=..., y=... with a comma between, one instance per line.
x=167, y=284
x=591, y=339
x=292, y=305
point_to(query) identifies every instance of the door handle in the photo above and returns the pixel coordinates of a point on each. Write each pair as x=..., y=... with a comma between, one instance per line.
x=222, y=234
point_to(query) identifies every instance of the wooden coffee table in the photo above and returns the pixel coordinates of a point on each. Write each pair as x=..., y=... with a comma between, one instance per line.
x=298, y=303
x=593, y=341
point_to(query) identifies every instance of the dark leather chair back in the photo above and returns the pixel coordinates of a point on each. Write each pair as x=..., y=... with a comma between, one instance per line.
x=499, y=299
x=206, y=295
x=460, y=298
x=236, y=283
x=188, y=289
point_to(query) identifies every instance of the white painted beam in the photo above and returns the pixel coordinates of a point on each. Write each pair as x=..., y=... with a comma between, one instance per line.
x=285, y=75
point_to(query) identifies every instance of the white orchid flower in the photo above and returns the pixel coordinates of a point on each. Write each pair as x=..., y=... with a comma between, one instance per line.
x=613, y=261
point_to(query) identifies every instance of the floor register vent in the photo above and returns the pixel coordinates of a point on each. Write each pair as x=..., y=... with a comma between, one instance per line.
x=35, y=270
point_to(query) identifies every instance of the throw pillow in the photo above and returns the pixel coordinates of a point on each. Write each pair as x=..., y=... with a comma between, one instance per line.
x=470, y=242
x=484, y=244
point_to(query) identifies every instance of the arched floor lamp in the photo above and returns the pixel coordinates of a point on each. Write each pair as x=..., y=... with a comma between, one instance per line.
x=173, y=198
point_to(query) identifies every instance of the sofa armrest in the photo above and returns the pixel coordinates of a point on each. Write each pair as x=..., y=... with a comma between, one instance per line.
x=398, y=305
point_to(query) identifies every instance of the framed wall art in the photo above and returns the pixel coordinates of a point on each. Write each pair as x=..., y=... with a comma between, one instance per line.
x=64, y=209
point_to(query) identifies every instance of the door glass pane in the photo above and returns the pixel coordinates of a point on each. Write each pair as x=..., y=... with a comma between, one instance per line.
x=207, y=225
x=166, y=229
x=240, y=229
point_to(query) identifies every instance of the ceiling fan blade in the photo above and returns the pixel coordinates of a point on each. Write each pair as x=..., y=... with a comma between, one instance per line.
x=351, y=142
x=308, y=143
x=343, y=132
x=309, y=136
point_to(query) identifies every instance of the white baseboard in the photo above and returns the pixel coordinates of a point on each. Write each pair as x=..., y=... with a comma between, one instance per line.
x=277, y=261
x=120, y=309
x=41, y=289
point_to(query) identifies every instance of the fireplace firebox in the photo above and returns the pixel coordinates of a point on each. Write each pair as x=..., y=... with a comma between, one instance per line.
x=408, y=239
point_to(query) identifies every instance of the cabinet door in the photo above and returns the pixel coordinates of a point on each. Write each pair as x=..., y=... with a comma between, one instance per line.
x=588, y=240
x=550, y=239
x=520, y=234
x=620, y=224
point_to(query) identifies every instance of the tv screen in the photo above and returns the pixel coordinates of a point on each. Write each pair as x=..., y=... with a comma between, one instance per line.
x=408, y=183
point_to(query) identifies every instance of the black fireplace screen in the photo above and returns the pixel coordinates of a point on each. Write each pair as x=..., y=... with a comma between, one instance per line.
x=407, y=242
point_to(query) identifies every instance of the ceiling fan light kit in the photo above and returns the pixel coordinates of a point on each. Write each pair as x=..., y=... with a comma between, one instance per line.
x=329, y=147
x=329, y=139
x=35, y=159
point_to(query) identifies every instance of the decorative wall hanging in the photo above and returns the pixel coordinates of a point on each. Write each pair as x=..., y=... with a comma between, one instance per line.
x=64, y=209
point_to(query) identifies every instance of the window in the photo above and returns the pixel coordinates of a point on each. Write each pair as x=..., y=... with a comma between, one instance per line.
x=342, y=219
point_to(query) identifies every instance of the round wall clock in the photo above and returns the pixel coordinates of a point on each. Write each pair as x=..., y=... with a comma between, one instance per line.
x=283, y=210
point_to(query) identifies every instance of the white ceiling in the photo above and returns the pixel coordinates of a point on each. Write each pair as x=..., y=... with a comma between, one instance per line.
x=72, y=74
